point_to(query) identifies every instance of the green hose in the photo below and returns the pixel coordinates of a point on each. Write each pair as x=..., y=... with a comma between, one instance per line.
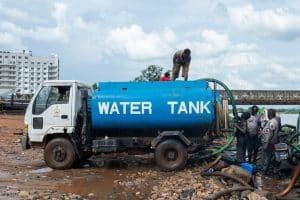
x=223, y=148
x=228, y=92
x=228, y=149
x=231, y=137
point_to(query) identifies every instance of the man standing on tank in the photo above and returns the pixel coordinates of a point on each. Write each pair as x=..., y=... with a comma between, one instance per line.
x=181, y=58
x=253, y=124
x=269, y=138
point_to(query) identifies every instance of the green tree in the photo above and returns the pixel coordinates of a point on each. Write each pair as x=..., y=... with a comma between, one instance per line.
x=151, y=73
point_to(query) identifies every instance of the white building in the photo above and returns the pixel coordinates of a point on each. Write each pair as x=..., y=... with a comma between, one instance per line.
x=23, y=73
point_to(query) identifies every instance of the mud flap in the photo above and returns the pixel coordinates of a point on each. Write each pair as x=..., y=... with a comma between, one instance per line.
x=24, y=142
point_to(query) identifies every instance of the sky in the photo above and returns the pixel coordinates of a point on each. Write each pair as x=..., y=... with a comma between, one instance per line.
x=246, y=44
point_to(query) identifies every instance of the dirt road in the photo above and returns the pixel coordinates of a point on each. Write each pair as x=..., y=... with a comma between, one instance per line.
x=24, y=175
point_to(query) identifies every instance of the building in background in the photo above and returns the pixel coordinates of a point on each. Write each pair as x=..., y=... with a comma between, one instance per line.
x=22, y=73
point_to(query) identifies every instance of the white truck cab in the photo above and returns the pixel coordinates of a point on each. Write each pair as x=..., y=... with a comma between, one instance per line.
x=53, y=109
x=51, y=119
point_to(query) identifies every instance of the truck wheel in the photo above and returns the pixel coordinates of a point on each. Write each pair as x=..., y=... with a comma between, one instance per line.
x=59, y=153
x=171, y=155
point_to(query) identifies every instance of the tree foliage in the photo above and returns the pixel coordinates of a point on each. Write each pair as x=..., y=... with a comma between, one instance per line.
x=151, y=73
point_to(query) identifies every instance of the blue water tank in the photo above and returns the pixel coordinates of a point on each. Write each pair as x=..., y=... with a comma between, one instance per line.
x=142, y=105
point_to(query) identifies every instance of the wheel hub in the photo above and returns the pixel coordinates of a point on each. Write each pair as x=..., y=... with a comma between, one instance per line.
x=171, y=155
x=59, y=154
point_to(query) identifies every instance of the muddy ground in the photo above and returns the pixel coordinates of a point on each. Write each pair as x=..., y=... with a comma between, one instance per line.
x=24, y=175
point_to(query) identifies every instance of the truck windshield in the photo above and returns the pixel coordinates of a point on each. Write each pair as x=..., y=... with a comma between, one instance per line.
x=50, y=95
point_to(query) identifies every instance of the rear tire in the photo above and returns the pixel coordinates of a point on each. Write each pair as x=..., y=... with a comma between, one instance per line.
x=171, y=155
x=60, y=153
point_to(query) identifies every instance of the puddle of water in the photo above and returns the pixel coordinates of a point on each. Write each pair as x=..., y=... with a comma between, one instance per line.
x=97, y=181
x=4, y=174
x=42, y=170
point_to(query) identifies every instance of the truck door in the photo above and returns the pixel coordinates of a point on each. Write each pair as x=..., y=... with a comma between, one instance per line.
x=51, y=112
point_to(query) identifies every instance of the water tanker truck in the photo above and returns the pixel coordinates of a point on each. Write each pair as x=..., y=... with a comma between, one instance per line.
x=71, y=122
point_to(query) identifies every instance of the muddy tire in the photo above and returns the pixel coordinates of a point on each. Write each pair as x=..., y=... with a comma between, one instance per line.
x=59, y=154
x=171, y=155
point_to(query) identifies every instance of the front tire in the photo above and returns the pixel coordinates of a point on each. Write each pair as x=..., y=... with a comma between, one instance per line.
x=171, y=155
x=59, y=153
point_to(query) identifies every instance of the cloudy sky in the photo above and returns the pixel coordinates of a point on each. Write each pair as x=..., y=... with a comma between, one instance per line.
x=247, y=44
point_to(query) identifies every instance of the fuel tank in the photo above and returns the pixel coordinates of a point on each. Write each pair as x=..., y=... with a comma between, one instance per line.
x=153, y=105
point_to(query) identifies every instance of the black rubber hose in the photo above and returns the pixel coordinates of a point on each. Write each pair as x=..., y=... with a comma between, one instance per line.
x=227, y=191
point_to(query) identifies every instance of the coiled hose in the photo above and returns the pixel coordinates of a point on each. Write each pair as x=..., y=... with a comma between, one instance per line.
x=245, y=186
